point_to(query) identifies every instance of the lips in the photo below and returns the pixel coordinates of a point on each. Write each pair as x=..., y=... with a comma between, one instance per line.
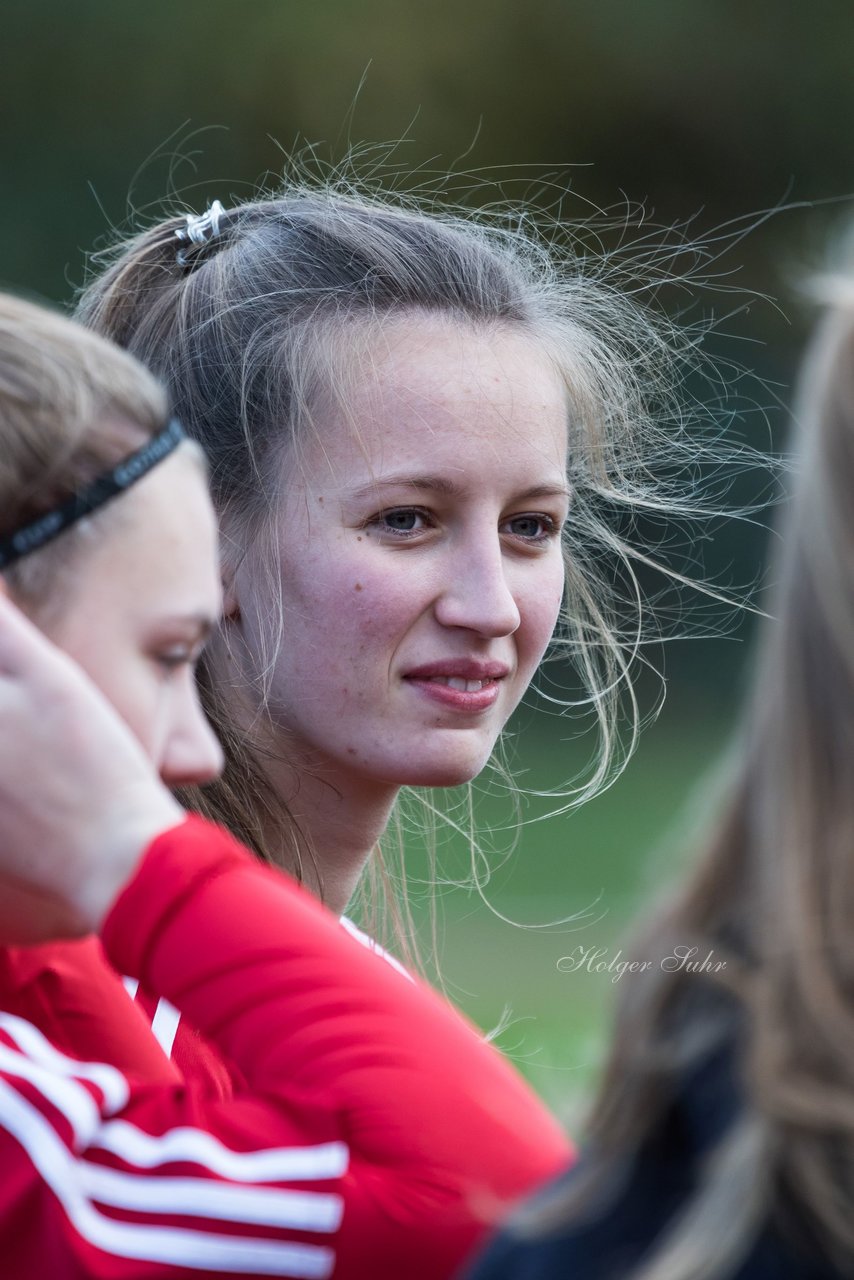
x=463, y=684
x=469, y=669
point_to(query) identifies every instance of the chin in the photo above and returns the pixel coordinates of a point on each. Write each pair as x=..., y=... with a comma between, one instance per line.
x=441, y=773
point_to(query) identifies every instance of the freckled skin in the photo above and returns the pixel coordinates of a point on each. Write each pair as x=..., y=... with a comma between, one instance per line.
x=485, y=412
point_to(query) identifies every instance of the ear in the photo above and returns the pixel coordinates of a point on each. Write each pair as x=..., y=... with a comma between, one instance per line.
x=230, y=598
x=230, y=556
x=230, y=604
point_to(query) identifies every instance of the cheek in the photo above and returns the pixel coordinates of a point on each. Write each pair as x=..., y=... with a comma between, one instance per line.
x=342, y=621
x=539, y=610
x=128, y=680
x=347, y=599
x=139, y=696
x=101, y=638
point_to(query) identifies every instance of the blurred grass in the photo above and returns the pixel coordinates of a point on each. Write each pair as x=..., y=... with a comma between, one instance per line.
x=605, y=861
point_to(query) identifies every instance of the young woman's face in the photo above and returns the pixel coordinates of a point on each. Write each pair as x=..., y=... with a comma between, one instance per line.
x=143, y=599
x=420, y=558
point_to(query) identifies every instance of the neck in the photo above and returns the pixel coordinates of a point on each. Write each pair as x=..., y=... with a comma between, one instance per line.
x=338, y=816
x=340, y=819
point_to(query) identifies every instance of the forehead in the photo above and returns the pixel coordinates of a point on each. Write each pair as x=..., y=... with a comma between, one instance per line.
x=158, y=548
x=423, y=386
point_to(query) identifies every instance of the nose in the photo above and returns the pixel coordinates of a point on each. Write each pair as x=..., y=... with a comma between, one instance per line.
x=477, y=594
x=192, y=753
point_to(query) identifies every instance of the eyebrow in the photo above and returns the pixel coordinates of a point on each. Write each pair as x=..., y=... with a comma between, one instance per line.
x=204, y=622
x=449, y=488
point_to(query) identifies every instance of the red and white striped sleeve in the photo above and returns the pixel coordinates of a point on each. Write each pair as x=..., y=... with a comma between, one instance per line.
x=377, y=1135
x=104, y=1180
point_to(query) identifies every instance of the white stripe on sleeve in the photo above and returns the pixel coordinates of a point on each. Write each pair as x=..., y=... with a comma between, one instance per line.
x=111, y=1083
x=164, y=1025
x=194, y=1250
x=205, y=1198
x=68, y=1097
x=273, y=1164
x=131, y=986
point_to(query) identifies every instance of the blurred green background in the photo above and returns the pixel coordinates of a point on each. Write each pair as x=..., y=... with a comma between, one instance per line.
x=706, y=112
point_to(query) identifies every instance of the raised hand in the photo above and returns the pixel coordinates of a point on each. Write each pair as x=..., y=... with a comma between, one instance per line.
x=79, y=800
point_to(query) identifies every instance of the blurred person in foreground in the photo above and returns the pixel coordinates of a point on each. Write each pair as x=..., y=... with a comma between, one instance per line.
x=721, y=1144
x=343, y=1147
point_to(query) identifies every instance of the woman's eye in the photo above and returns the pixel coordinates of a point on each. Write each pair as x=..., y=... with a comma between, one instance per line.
x=175, y=659
x=401, y=521
x=532, y=527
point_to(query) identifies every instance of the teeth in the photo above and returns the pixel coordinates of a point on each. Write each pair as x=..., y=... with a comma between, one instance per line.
x=457, y=682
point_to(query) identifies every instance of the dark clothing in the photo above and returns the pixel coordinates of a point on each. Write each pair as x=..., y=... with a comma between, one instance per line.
x=610, y=1243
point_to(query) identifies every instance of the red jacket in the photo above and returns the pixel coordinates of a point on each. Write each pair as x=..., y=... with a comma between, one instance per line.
x=75, y=997
x=376, y=1135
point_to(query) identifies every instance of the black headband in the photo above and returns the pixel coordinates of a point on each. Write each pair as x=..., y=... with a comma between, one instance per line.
x=48, y=526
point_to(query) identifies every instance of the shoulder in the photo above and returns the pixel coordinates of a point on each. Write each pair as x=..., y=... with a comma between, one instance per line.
x=74, y=996
x=639, y=1198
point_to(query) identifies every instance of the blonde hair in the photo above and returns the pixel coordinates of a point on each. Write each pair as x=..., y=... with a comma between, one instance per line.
x=71, y=406
x=247, y=328
x=773, y=897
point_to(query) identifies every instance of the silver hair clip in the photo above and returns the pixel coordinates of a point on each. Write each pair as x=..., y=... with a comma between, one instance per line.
x=200, y=228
